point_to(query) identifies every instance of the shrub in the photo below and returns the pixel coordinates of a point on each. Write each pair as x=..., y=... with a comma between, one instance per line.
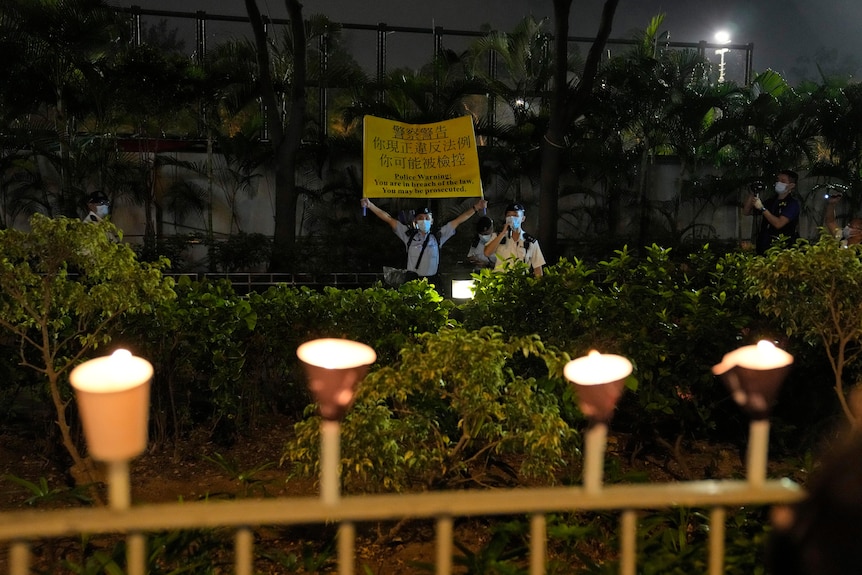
x=198, y=345
x=62, y=285
x=383, y=318
x=444, y=414
x=673, y=318
x=814, y=290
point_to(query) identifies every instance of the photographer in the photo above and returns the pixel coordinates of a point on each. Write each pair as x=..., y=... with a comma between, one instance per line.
x=780, y=213
x=851, y=234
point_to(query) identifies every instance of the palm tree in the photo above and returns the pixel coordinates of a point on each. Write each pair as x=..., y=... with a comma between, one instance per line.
x=837, y=108
x=519, y=81
x=569, y=100
x=62, y=48
x=285, y=129
x=664, y=104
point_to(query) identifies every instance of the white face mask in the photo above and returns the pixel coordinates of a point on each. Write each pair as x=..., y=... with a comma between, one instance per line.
x=485, y=237
x=423, y=226
x=780, y=187
x=102, y=210
x=514, y=222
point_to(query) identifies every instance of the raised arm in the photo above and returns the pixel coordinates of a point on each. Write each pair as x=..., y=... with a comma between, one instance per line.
x=491, y=246
x=748, y=204
x=366, y=203
x=480, y=205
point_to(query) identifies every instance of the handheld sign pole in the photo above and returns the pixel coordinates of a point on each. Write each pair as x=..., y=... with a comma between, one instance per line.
x=482, y=195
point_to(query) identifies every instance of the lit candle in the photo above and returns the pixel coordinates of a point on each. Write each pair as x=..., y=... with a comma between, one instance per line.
x=761, y=356
x=332, y=353
x=113, y=395
x=599, y=380
x=597, y=368
x=753, y=374
x=334, y=368
x=116, y=372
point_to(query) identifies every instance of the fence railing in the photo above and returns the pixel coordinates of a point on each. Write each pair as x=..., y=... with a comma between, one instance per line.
x=733, y=61
x=244, y=283
x=113, y=392
x=19, y=529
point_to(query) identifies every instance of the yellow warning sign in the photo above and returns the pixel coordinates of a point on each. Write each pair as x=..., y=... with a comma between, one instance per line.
x=436, y=160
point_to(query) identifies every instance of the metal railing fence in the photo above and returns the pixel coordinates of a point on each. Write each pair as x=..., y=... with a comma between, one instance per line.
x=18, y=529
x=736, y=59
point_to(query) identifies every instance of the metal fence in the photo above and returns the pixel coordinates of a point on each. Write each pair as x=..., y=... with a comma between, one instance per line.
x=20, y=528
x=244, y=283
x=381, y=47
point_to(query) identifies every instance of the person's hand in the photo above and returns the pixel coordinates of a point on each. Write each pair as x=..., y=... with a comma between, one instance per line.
x=758, y=204
x=364, y=202
x=480, y=205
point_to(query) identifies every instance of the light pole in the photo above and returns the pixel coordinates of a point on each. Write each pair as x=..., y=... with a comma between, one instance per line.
x=722, y=37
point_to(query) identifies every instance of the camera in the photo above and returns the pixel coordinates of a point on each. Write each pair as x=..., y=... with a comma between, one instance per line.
x=756, y=187
x=833, y=192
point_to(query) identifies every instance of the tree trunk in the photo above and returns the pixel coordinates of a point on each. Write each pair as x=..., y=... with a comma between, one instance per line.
x=83, y=469
x=284, y=242
x=643, y=198
x=285, y=142
x=565, y=107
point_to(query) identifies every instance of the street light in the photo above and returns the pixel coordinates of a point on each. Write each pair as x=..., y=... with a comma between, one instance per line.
x=722, y=37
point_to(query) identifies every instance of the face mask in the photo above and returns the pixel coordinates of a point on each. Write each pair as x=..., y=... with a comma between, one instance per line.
x=102, y=210
x=485, y=237
x=424, y=226
x=514, y=222
x=780, y=187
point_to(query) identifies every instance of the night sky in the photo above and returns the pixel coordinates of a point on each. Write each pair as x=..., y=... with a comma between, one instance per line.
x=783, y=31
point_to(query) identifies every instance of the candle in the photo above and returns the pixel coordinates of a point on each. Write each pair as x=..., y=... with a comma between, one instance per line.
x=113, y=396
x=331, y=353
x=596, y=368
x=116, y=372
x=598, y=380
x=762, y=356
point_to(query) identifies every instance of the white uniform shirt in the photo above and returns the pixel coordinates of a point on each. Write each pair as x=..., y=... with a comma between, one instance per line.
x=509, y=250
x=478, y=252
x=430, y=262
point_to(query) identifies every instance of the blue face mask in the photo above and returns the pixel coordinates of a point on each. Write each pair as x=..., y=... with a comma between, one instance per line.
x=423, y=226
x=102, y=210
x=514, y=222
